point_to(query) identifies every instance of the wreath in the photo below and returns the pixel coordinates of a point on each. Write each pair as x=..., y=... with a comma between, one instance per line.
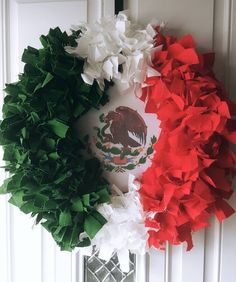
x=52, y=175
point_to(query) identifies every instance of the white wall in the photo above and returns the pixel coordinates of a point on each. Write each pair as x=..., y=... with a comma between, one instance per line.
x=29, y=255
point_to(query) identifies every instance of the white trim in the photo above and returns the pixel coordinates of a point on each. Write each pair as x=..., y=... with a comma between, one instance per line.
x=80, y=264
x=227, y=38
x=48, y=257
x=13, y=39
x=167, y=263
x=108, y=8
x=74, y=266
x=133, y=7
x=232, y=53
x=141, y=274
x=6, y=219
x=94, y=10
x=222, y=38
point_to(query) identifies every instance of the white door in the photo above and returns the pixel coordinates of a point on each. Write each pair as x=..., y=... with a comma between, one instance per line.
x=27, y=253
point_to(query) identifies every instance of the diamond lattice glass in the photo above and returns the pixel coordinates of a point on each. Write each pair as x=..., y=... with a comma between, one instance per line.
x=97, y=270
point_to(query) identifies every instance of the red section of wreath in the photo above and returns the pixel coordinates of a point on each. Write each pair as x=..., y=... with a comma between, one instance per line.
x=193, y=165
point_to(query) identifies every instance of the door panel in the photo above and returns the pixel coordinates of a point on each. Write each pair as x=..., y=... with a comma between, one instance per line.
x=181, y=17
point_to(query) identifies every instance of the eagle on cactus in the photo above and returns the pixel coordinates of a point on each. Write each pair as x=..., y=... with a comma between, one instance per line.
x=123, y=123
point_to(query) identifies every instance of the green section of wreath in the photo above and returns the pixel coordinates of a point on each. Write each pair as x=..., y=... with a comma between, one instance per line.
x=50, y=178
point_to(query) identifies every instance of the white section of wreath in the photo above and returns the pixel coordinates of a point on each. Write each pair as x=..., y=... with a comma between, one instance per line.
x=112, y=44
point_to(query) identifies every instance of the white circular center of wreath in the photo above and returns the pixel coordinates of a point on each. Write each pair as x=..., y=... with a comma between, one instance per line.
x=121, y=135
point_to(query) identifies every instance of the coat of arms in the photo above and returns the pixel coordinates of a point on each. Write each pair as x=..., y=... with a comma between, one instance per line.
x=122, y=140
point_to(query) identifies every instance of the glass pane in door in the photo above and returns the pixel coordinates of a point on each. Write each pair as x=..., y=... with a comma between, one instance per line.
x=97, y=270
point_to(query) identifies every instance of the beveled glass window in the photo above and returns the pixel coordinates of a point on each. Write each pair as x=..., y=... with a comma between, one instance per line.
x=97, y=270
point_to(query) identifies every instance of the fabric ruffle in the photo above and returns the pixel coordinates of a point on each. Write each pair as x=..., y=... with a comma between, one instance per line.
x=117, y=50
x=192, y=169
x=125, y=230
